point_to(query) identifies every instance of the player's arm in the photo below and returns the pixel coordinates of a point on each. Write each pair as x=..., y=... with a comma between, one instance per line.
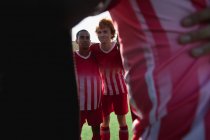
x=77, y=10
x=202, y=34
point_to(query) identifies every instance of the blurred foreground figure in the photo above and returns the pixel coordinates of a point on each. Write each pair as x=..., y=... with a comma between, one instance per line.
x=38, y=96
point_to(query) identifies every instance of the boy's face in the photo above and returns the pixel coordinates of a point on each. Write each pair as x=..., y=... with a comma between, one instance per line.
x=83, y=40
x=104, y=34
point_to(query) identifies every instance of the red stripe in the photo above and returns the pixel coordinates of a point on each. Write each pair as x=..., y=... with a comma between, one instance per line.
x=119, y=78
x=150, y=17
x=118, y=82
x=106, y=83
x=124, y=84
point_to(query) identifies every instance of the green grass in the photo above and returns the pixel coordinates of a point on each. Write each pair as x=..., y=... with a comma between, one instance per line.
x=114, y=128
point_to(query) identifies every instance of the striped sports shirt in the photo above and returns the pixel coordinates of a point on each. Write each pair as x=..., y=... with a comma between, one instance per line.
x=88, y=82
x=111, y=69
x=169, y=88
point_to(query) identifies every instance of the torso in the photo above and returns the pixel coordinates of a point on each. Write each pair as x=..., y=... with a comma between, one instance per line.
x=88, y=81
x=111, y=69
x=164, y=80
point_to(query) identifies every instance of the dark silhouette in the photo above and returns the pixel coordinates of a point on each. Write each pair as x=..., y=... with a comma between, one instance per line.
x=38, y=95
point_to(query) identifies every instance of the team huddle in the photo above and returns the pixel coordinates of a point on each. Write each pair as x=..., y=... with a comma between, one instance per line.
x=100, y=80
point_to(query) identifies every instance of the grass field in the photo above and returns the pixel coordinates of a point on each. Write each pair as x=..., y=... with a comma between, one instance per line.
x=114, y=128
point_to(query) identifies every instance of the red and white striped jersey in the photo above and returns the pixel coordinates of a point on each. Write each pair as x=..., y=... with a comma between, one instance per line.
x=111, y=69
x=169, y=88
x=88, y=81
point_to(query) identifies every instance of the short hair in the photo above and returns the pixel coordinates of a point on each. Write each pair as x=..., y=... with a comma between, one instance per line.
x=106, y=23
x=83, y=30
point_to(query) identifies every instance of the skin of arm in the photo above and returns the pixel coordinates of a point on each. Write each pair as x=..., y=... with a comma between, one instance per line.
x=203, y=34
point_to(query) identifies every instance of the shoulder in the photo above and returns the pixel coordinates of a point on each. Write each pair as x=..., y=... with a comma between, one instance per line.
x=93, y=57
x=94, y=46
x=75, y=53
x=116, y=46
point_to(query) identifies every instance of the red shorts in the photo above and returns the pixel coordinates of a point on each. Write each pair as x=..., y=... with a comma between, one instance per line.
x=93, y=117
x=117, y=103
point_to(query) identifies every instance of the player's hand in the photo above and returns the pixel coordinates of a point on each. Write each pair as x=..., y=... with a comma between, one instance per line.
x=203, y=34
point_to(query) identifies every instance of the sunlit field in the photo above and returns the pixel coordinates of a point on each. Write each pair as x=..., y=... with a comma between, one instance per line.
x=114, y=128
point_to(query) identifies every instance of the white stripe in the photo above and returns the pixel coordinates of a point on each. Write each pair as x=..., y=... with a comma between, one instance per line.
x=95, y=92
x=197, y=133
x=82, y=92
x=115, y=82
x=198, y=128
x=150, y=68
x=154, y=128
x=165, y=95
x=165, y=92
x=109, y=82
x=100, y=91
x=153, y=98
x=88, y=93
